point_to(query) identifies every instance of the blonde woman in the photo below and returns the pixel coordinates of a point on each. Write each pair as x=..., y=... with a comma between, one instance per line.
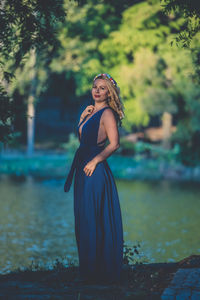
x=98, y=222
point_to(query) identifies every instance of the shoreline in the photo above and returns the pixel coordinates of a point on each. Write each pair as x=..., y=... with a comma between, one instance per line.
x=141, y=280
x=56, y=165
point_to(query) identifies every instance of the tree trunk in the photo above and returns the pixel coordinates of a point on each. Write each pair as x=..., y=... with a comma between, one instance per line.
x=166, y=126
x=31, y=108
x=30, y=126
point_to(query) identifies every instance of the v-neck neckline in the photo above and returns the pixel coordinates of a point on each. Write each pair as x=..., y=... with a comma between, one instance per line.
x=80, y=135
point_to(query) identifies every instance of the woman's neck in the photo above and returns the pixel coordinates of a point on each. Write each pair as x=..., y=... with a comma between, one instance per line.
x=100, y=106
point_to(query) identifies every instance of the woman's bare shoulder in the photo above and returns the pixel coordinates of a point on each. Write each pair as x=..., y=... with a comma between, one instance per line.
x=109, y=113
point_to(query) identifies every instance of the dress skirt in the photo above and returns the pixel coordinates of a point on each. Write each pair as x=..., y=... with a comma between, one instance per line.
x=98, y=224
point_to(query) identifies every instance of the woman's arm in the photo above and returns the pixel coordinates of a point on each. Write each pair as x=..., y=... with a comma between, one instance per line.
x=110, y=125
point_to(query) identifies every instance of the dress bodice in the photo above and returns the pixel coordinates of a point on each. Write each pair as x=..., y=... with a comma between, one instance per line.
x=89, y=130
x=89, y=147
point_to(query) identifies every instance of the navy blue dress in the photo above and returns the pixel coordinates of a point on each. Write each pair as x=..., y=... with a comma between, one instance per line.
x=98, y=221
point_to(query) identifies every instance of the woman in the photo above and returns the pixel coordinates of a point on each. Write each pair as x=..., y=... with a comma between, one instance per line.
x=98, y=223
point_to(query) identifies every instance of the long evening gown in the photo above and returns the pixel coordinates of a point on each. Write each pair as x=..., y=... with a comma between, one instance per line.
x=98, y=221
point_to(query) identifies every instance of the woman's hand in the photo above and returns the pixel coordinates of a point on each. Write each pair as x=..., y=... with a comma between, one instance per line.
x=87, y=111
x=90, y=167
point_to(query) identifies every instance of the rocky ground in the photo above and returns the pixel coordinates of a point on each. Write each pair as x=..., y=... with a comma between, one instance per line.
x=143, y=281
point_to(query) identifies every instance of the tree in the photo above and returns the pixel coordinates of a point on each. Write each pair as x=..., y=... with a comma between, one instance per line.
x=87, y=24
x=188, y=133
x=190, y=10
x=136, y=48
x=149, y=68
x=25, y=25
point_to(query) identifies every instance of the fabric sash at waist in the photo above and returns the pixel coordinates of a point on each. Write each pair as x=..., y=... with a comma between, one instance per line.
x=82, y=152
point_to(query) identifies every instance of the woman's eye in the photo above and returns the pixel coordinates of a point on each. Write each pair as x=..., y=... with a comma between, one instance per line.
x=95, y=87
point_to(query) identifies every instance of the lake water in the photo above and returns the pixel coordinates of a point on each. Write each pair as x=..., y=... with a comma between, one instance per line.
x=37, y=221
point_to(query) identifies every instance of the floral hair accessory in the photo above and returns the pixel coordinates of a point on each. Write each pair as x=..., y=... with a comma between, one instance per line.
x=106, y=75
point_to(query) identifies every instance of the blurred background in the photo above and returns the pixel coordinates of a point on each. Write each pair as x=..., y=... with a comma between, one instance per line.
x=50, y=54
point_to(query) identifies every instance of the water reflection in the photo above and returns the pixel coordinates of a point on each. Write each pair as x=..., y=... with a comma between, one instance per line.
x=37, y=220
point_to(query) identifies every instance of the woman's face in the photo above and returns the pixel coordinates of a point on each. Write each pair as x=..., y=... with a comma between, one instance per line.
x=100, y=90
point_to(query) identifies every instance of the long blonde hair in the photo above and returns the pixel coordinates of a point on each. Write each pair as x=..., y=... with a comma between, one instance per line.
x=114, y=100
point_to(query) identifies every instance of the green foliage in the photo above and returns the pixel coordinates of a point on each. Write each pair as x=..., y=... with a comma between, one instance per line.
x=153, y=74
x=72, y=144
x=132, y=41
x=132, y=255
x=126, y=147
x=5, y=114
x=86, y=25
x=188, y=132
x=138, y=59
x=58, y=265
x=157, y=151
x=190, y=9
x=25, y=25
x=142, y=150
